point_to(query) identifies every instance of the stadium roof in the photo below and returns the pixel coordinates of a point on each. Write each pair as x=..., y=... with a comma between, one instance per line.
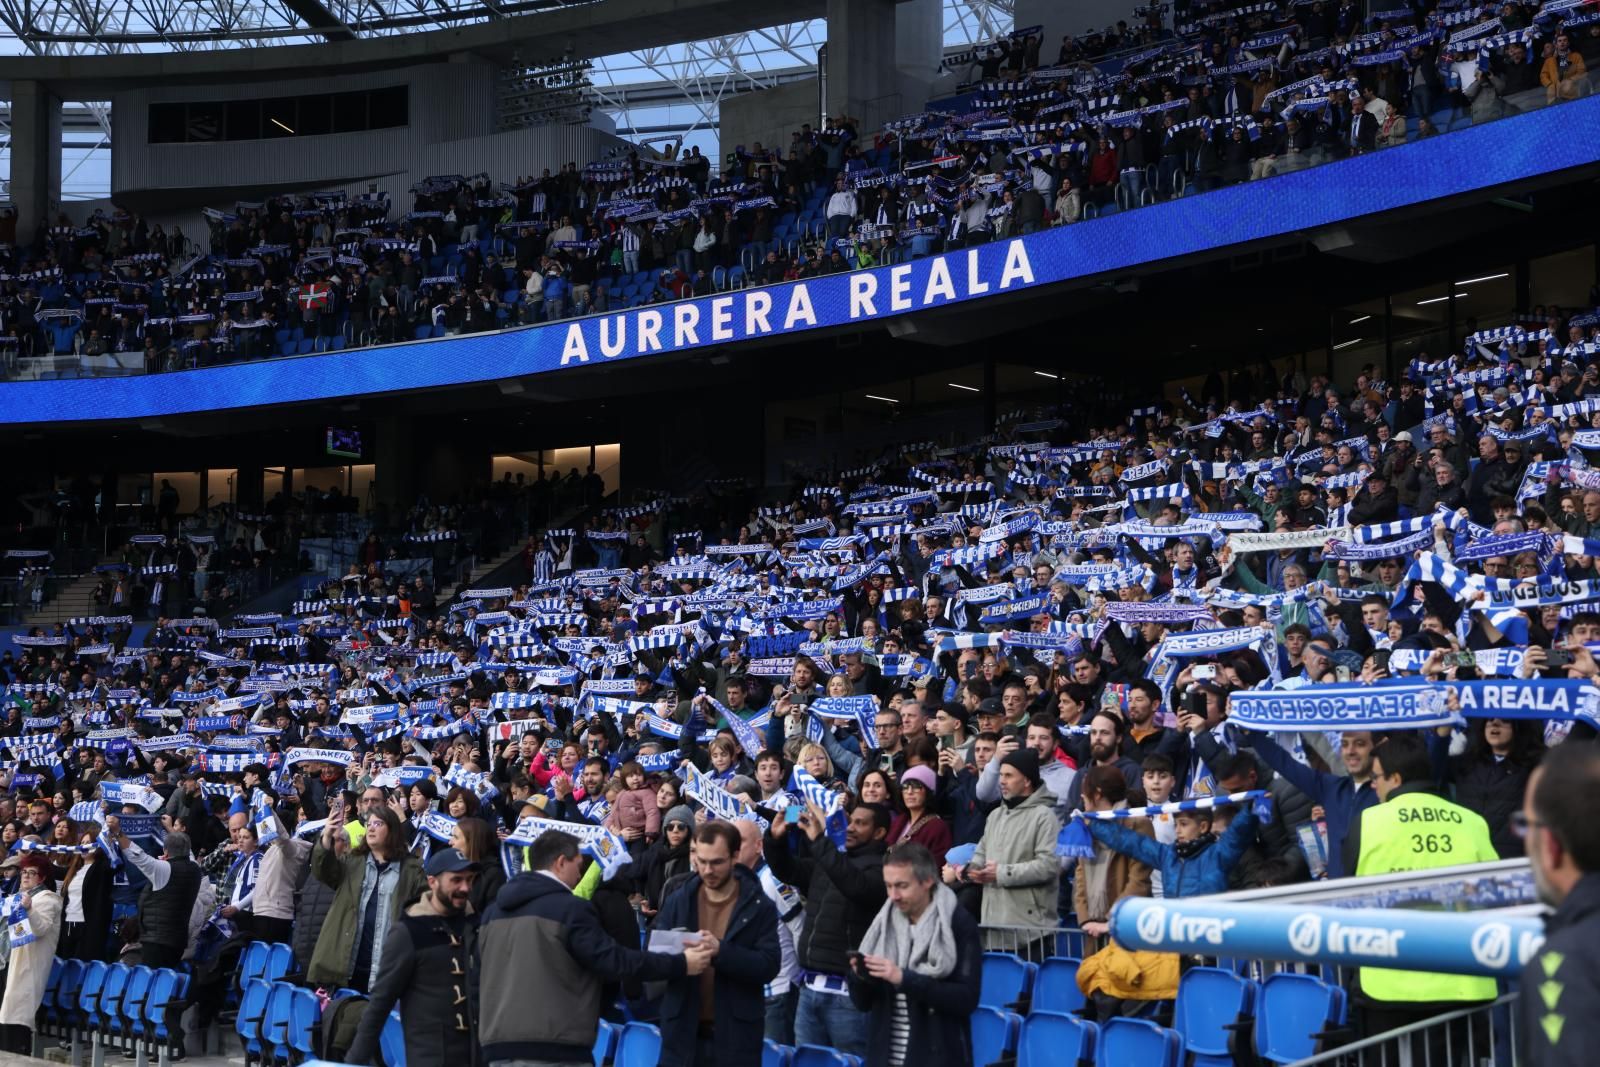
x=91, y=27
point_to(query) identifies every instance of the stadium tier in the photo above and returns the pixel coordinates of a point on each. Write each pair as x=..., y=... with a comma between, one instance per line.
x=1101, y=568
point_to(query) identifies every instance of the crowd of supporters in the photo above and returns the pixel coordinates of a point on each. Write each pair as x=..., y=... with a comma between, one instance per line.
x=1219, y=96
x=950, y=658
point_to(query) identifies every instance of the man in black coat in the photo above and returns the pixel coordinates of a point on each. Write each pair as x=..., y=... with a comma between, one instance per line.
x=727, y=903
x=425, y=970
x=1560, y=986
x=843, y=892
x=925, y=947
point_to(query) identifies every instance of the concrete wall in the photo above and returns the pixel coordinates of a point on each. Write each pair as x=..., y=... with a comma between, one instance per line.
x=768, y=116
x=451, y=131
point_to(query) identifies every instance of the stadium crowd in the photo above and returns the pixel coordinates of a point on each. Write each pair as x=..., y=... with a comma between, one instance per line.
x=965, y=696
x=1226, y=95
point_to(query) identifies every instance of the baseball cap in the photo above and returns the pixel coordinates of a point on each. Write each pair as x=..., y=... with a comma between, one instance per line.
x=1403, y=435
x=448, y=861
x=991, y=706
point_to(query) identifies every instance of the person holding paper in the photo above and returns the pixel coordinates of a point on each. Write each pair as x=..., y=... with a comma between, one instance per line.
x=542, y=945
x=34, y=919
x=717, y=1019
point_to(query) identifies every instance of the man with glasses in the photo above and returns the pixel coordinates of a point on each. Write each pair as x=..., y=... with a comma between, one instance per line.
x=372, y=798
x=1560, y=986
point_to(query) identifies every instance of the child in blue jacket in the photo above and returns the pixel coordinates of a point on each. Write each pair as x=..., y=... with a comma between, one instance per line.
x=1198, y=863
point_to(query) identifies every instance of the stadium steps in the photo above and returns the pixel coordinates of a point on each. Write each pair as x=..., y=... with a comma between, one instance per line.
x=72, y=600
x=483, y=568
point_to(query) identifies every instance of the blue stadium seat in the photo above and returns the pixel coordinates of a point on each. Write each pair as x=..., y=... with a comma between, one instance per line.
x=605, y=1043
x=1295, y=1015
x=818, y=1056
x=275, y=1022
x=1125, y=1041
x=438, y=329
x=1055, y=987
x=91, y=984
x=1212, y=1003
x=1050, y=1040
x=639, y=1046
x=1007, y=979
x=994, y=1035
x=133, y=1001
x=111, y=991
x=306, y=345
x=423, y=332
x=247, y=1024
x=167, y=993
x=280, y=336
x=335, y=344
x=52, y=988
x=305, y=1011
x=392, y=1041
x=736, y=278
x=776, y=1055
x=288, y=348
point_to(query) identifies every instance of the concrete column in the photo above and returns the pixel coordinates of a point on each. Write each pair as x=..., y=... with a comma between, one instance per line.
x=862, y=77
x=918, y=48
x=35, y=156
x=395, y=465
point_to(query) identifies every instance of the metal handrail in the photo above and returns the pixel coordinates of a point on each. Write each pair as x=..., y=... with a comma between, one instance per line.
x=1355, y=1047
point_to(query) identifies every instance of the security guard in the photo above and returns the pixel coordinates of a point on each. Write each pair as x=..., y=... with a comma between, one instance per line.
x=1561, y=985
x=1414, y=829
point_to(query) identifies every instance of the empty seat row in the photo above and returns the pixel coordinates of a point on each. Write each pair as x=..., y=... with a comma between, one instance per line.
x=135, y=1008
x=1283, y=1018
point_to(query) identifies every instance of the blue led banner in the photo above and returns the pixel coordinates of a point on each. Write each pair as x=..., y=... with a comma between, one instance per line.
x=1527, y=146
x=1482, y=943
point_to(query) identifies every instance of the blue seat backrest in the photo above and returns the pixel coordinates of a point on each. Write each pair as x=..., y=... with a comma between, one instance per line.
x=1125, y=1041
x=1055, y=987
x=1006, y=978
x=639, y=1046
x=253, y=962
x=994, y=1034
x=1294, y=1008
x=775, y=1055
x=392, y=1041
x=279, y=959
x=252, y=1009
x=94, y=980
x=1051, y=1040
x=304, y=1013
x=1209, y=999
x=605, y=1042
x=817, y=1056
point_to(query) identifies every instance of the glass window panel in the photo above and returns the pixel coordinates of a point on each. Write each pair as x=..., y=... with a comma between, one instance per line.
x=167, y=123
x=316, y=115
x=244, y=120
x=204, y=122
x=349, y=112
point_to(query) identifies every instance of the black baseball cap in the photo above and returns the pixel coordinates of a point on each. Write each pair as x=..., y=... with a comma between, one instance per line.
x=448, y=861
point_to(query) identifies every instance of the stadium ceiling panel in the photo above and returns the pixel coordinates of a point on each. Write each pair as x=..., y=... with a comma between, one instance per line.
x=88, y=27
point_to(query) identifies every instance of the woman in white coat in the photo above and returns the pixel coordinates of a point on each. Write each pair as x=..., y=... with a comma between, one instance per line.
x=29, y=970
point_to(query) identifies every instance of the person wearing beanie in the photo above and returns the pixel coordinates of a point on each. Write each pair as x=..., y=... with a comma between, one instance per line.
x=1015, y=863
x=918, y=788
x=664, y=860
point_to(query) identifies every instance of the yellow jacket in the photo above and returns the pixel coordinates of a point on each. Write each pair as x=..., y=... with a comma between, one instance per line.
x=1130, y=975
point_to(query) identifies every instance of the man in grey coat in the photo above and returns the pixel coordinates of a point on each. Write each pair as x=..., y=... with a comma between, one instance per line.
x=1016, y=862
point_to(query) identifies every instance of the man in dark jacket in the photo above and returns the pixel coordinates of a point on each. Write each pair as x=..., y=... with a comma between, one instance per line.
x=1561, y=990
x=165, y=904
x=424, y=970
x=726, y=900
x=843, y=892
x=937, y=972
x=1279, y=841
x=541, y=944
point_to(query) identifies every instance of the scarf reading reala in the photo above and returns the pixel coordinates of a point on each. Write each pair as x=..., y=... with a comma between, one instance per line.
x=1075, y=843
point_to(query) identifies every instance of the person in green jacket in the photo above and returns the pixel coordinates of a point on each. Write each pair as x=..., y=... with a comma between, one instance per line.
x=372, y=885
